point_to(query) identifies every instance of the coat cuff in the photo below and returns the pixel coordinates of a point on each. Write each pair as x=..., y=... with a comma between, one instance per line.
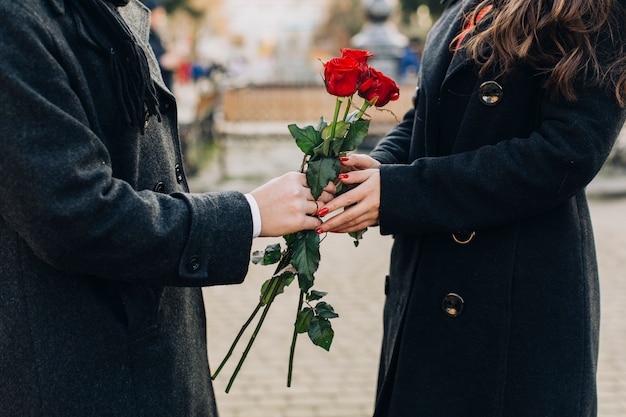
x=220, y=239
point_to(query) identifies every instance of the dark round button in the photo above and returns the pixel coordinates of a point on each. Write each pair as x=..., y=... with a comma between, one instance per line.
x=490, y=93
x=452, y=305
x=159, y=187
x=193, y=263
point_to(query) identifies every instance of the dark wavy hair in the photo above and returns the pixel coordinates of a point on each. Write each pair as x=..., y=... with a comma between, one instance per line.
x=559, y=39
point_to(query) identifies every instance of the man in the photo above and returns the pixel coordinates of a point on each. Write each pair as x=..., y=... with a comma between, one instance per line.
x=102, y=247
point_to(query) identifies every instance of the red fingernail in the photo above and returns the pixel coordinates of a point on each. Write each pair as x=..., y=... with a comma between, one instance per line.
x=319, y=231
x=342, y=176
x=323, y=211
x=344, y=159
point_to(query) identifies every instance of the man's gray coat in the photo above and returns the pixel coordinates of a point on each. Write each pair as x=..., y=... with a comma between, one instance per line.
x=102, y=250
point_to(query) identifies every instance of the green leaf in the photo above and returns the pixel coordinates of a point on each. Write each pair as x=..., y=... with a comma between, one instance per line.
x=336, y=147
x=269, y=256
x=357, y=132
x=306, y=138
x=320, y=171
x=290, y=238
x=303, y=320
x=326, y=132
x=357, y=236
x=275, y=286
x=352, y=116
x=321, y=332
x=306, y=257
x=321, y=125
x=341, y=128
x=325, y=310
x=315, y=295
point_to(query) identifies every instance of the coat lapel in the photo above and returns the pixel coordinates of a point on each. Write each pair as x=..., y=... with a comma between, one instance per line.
x=58, y=6
x=434, y=70
x=459, y=59
x=435, y=64
x=437, y=54
x=137, y=17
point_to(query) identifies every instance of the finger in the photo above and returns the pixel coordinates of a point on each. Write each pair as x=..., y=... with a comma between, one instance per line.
x=355, y=177
x=358, y=223
x=331, y=188
x=358, y=162
x=348, y=198
x=314, y=210
x=325, y=197
x=335, y=204
x=310, y=223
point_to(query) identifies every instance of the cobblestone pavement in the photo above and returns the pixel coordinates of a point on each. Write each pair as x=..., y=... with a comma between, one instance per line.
x=341, y=382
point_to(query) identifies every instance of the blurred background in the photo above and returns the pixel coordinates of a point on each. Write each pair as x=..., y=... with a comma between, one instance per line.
x=241, y=71
x=233, y=63
x=241, y=68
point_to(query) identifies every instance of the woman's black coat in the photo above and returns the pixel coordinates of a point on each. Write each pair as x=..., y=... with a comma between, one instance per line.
x=102, y=250
x=492, y=303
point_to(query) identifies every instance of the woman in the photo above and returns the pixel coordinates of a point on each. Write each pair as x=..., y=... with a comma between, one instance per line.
x=492, y=299
x=103, y=250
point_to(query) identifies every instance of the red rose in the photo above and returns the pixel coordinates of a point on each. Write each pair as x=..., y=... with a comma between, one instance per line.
x=360, y=55
x=379, y=89
x=342, y=76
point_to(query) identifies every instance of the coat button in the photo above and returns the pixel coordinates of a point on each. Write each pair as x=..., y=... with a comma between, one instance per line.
x=490, y=93
x=193, y=264
x=159, y=187
x=463, y=237
x=452, y=305
x=179, y=173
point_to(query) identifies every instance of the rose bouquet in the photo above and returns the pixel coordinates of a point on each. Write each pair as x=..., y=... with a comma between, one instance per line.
x=322, y=147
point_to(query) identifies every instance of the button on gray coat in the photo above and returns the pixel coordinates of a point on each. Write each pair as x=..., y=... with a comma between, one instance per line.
x=101, y=313
x=492, y=300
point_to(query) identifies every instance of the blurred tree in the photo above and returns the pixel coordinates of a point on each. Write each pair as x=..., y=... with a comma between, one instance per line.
x=410, y=6
x=345, y=20
x=173, y=5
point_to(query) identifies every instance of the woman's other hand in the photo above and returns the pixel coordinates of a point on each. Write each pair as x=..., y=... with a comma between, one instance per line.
x=360, y=204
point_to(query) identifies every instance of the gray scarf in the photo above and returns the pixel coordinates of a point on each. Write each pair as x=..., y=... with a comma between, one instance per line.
x=107, y=32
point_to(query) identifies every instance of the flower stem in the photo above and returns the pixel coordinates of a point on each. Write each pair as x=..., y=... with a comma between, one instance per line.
x=345, y=113
x=303, y=164
x=249, y=346
x=364, y=107
x=284, y=261
x=292, y=350
x=232, y=347
x=336, y=116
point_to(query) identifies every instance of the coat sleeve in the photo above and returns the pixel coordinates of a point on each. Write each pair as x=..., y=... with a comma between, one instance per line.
x=395, y=147
x=513, y=179
x=59, y=196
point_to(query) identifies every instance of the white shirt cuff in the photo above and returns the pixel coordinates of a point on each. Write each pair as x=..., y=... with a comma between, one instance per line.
x=256, y=215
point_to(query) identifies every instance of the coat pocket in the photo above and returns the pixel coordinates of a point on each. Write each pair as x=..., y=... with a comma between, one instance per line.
x=141, y=304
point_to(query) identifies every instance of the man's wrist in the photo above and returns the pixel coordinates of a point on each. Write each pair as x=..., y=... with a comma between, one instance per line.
x=256, y=215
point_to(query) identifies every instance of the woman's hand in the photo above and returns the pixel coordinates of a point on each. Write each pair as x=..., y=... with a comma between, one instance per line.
x=357, y=162
x=287, y=206
x=360, y=204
